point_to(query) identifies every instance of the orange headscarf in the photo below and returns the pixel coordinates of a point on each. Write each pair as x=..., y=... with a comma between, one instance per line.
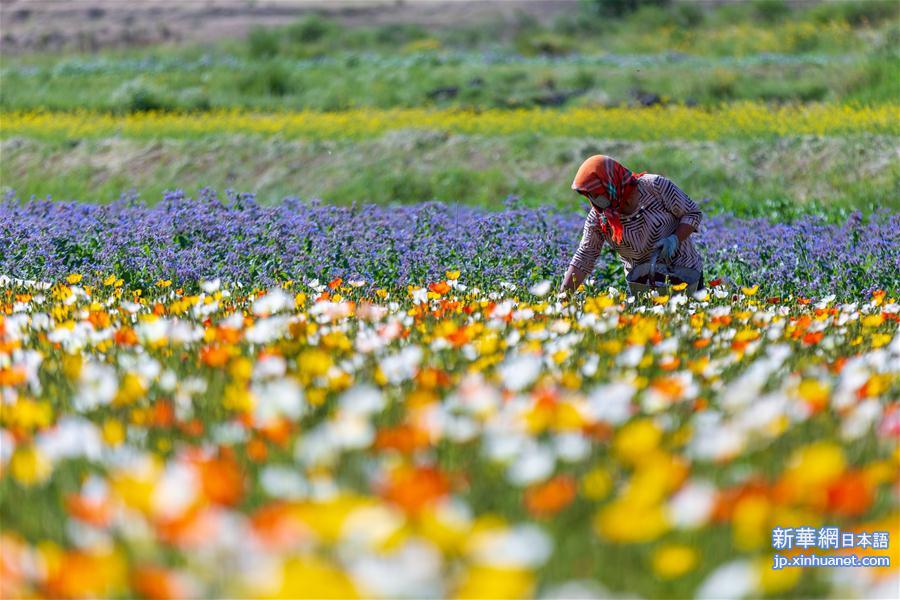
x=601, y=174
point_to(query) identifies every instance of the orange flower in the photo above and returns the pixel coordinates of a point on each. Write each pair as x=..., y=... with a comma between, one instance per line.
x=670, y=364
x=193, y=428
x=12, y=376
x=402, y=438
x=335, y=283
x=257, y=450
x=547, y=499
x=413, y=488
x=278, y=526
x=813, y=338
x=156, y=583
x=441, y=287
x=95, y=512
x=277, y=430
x=191, y=529
x=163, y=413
x=125, y=337
x=851, y=495
x=85, y=575
x=223, y=480
x=99, y=319
x=214, y=356
x=669, y=386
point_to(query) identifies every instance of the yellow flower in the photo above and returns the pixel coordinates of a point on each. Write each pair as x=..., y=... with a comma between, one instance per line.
x=814, y=393
x=750, y=291
x=312, y=577
x=113, y=432
x=27, y=414
x=130, y=390
x=751, y=526
x=452, y=275
x=674, y=560
x=110, y=280
x=816, y=465
x=636, y=440
x=596, y=484
x=776, y=582
x=679, y=286
x=872, y=320
x=163, y=283
x=625, y=522
x=880, y=339
x=660, y=299
x=483, y=582
x=29, y=466
x=74, y=278
x=313, y=363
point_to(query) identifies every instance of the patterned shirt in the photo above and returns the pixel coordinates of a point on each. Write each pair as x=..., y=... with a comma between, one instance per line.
x=663, y=206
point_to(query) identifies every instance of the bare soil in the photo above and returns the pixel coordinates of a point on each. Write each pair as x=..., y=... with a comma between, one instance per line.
x=91, y=25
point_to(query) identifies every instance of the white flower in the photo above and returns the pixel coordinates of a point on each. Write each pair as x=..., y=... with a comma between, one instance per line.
x=371, y=526
x=283, y=482
x=211, y=286
x=612, y=402
x=72, y=437
x=572, y=447
x=175, y=491
x=692, y=506
x=270, y=366
x=275, y=301
x=540, y=289
x=403, y=365
x=351, y=431
x=518, y=372
x=98, y=385
x=277, y=398
x=268, y=330
x=534, y=464
x=523, y=546
x=631, y=356
x=576, y=590
x=362, y=400
x=411, y=571
x=730, y=581
x=7, y=445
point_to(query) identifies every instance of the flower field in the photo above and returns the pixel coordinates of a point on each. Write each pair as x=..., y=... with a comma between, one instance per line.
x=222, y=399
x=738, y=120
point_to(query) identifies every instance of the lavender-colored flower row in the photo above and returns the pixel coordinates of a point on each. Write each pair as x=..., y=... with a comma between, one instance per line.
x=187, y=240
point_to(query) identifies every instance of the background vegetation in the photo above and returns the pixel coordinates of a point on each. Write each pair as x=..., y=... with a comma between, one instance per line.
x=602, y=53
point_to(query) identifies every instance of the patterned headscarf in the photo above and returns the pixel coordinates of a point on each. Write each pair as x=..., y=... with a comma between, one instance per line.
x=601, y=174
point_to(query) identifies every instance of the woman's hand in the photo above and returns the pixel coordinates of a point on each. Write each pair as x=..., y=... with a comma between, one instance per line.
x=572, y=280
x=668, y=246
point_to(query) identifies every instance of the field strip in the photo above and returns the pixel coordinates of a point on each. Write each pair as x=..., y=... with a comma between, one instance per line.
x=737, y=120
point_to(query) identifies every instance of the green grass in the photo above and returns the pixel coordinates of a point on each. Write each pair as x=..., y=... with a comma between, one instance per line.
x=762, y=177
x=351, y=82
x=761, y=50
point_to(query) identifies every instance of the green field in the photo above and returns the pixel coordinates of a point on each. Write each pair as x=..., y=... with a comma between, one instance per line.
x=682, y=55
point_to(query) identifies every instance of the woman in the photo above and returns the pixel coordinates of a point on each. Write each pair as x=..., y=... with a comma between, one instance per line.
x=635, y=213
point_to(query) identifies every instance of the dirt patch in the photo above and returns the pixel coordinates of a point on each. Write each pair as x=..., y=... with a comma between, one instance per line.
x=91, y=25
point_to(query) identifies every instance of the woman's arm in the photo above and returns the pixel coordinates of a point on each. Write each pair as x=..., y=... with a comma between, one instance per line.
x=585, y=257
x=680, y=205
x=574, y=278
